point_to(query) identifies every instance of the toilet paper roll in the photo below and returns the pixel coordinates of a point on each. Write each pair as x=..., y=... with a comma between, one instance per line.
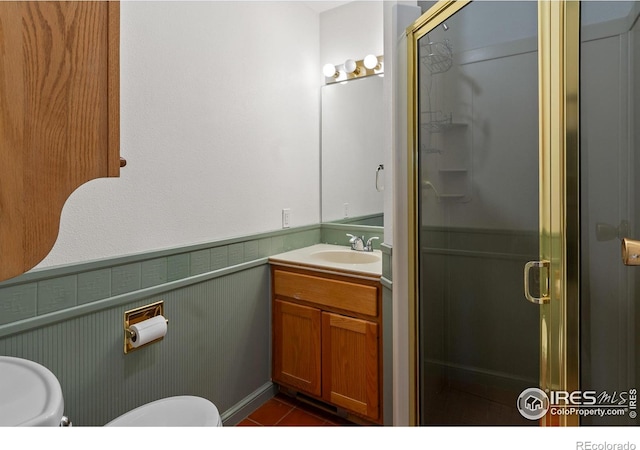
x=148, y=330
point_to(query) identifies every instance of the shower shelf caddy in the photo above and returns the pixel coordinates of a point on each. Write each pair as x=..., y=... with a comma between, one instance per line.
x=455, y=180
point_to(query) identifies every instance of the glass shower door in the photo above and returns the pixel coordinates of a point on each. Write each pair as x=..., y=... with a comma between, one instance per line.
x=477, y=207
x=610, y=162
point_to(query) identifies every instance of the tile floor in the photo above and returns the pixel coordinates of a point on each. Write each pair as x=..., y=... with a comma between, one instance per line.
x=286, y=411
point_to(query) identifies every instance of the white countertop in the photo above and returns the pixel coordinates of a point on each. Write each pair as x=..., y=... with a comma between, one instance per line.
x=305, y=257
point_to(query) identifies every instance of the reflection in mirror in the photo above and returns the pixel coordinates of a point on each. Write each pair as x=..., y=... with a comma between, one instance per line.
x=352, y=153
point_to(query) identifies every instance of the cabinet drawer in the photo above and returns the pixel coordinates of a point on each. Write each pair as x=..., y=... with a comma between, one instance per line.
x=327, y=292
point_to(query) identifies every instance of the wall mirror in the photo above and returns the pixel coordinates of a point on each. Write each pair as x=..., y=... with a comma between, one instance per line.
x=352, y=178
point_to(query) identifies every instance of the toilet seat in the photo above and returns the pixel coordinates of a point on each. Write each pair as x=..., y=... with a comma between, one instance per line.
x=30, y=394
x=178, y=411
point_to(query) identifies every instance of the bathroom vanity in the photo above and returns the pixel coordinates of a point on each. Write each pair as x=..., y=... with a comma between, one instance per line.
x=327, y=327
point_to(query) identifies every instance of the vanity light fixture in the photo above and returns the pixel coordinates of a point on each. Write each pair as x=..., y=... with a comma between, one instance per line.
x=350, y=69
x=350, y=66
x=330, y=71
x=371, y=62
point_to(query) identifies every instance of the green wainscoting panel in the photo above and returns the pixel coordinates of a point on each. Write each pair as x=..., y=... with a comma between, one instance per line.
x=18, y=303
x=251, y=250
x=236, y=254
x=94, y=285
x=292, y=241
x=57, y=293
x=333, y=233
x=374, y=220
x=219, y=257
x=125, y=278
x=153, y=272
x=387, y=269
x=43, y=291
x=217, y=346
x=178, y=267
x=200, y=261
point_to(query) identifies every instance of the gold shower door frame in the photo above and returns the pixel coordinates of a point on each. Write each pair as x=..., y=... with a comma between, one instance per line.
x=559, y=239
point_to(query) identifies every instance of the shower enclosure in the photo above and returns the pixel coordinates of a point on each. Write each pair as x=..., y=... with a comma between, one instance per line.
x=522, y=188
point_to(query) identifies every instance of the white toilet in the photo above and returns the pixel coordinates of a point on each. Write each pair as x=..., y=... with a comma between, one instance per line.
x=30, y=395
x=180, y=411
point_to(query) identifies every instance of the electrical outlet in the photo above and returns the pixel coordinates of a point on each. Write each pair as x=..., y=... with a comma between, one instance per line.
x=286, y=218
x=345, y=209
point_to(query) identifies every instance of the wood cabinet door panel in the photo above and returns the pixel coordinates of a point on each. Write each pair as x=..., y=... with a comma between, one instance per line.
x=297, y=340
x=59, y=117
x=350, y=364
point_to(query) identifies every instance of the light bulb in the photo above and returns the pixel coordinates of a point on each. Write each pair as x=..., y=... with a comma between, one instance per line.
x=329, y=70
x=350, y=66
x=371, y=61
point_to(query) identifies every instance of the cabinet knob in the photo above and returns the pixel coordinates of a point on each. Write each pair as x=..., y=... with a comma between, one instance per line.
x=123, y=162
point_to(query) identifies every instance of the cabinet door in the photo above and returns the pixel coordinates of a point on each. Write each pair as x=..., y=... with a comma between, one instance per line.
x=350, y=364
x=296, y=346
x=59, y=117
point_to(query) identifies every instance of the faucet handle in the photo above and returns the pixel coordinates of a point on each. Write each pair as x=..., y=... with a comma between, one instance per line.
x=370, y=243
x=357, y=243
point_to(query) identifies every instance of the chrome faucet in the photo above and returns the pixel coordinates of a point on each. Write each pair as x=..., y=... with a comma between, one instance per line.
x=369, y=246
x=357, y=243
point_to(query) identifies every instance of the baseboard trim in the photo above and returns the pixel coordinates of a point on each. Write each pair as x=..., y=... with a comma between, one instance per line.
x=236, y=414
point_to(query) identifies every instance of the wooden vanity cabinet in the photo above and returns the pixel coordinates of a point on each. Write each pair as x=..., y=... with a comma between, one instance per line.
x=59, y=117
x=327, y=338
x=350, y=364
x=297, y=338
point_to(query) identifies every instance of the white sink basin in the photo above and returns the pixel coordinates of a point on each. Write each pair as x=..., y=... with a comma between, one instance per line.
x=347, y=256
x=333, y=257
x=30, y=394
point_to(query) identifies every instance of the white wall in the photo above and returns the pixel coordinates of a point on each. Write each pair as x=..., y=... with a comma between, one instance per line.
x=219, y=126
x=397, y=17
x=351, y=31
x=402, y=15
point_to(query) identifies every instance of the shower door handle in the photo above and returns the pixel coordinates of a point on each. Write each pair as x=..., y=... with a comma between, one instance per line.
x=544, y=295
x=630, y=252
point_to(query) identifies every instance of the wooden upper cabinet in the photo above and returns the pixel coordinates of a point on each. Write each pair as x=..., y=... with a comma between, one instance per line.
x=59, y=117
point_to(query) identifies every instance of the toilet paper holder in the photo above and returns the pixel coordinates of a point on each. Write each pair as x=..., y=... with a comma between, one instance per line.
x=137, y=315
